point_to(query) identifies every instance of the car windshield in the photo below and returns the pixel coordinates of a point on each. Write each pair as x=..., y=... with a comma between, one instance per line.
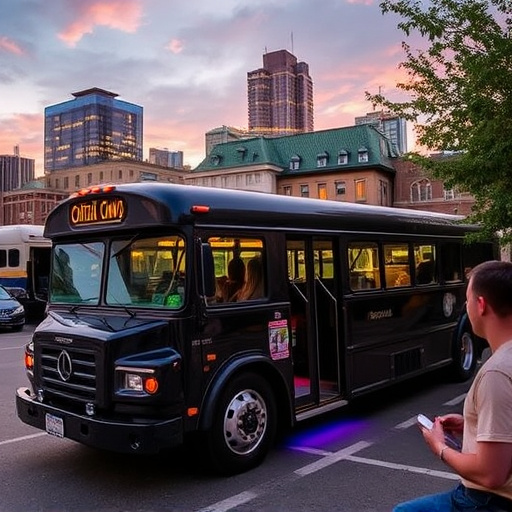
x=76, y=273
x=4, y=295
x=147, y=272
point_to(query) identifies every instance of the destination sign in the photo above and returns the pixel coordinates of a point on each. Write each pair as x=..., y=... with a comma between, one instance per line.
x=97, y=211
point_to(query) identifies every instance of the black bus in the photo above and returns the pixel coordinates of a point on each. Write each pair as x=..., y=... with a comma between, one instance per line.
x=180, y=312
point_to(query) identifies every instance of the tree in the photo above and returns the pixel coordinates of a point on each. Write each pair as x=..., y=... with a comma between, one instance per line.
x=459, y=87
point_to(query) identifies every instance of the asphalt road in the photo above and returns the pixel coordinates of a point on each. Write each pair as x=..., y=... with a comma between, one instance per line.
x=365, y=457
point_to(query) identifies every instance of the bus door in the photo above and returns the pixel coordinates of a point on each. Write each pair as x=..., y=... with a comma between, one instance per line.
x=316, y=328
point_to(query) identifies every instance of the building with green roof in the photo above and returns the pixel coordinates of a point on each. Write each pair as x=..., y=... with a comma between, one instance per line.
x=353, y=163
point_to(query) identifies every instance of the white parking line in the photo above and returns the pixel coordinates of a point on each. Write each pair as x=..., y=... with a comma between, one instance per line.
x=403, y=467
x=230, y=503
x=455, y=401
x=23, y=438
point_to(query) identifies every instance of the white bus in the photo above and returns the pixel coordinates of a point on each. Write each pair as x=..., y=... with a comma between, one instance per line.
x=25, y=265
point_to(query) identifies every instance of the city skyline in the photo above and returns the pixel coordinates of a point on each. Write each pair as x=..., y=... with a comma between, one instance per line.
x=186, y=64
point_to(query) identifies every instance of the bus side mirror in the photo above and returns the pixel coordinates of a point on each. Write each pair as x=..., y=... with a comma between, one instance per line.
x=207, y=280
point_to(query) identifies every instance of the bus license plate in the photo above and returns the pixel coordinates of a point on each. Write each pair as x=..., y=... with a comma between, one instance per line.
x=54, y=425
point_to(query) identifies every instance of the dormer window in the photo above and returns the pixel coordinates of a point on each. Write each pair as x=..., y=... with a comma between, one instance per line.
x=343, y=157
x=215, y=159
x=242, y=151
x=362, y=155
x=295, y=163
x=321, y=159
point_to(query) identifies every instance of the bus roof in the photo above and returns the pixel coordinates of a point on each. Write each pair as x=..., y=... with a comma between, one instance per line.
x=156, y=204
x=22, y=233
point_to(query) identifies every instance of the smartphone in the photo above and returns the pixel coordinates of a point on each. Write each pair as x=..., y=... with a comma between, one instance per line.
x=451, y=441
x=424, y=421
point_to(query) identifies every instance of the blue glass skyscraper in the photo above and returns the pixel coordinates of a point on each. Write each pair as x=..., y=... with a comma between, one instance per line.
x=93, y=127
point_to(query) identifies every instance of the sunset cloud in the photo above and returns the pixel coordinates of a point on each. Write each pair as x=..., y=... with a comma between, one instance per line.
x=124, y=15
x=10, y=46
x=174, y=46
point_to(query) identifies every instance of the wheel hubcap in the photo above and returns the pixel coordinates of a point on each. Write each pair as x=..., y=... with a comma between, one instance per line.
x=466, y=351
x=245, y=422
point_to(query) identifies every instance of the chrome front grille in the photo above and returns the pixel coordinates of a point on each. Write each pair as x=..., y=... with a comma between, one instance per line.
x=69, y=373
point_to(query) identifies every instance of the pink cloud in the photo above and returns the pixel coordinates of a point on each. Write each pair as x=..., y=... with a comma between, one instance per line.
x=10, y=46
x=25, y=131
x=175, y=46
x=124, y=15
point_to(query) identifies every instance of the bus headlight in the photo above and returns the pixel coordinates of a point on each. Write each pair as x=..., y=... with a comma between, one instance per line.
x=136, y=381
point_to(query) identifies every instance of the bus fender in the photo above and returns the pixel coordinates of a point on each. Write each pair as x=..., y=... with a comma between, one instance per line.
x=249, y=362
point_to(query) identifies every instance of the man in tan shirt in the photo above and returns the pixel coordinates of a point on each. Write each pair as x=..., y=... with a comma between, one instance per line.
x=485, y=462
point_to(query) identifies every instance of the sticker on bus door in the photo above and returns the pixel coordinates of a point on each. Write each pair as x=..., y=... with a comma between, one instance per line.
x=279, y=339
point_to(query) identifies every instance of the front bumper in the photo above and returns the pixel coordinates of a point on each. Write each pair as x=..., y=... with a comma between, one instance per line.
x=150, y=436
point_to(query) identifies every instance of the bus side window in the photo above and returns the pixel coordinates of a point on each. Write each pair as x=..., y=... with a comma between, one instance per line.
x=239, y=272
x=396, y=265
x=451, y=262
x=425, y=261
x=363, y=260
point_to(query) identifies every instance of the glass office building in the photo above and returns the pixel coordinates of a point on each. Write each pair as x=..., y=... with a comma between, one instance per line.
x=93, y=127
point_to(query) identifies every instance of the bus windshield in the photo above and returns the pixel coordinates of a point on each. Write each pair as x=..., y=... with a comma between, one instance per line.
x=147, y=272
x=76, y=275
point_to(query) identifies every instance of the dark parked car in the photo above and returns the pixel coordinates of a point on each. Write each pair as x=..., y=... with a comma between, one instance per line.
x=12, y=313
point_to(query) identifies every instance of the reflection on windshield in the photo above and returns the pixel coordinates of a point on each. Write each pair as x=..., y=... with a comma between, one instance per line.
x=76, y=274
x=148, y=272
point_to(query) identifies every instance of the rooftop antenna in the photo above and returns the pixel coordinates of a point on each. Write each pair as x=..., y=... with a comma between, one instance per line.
x=291, y=37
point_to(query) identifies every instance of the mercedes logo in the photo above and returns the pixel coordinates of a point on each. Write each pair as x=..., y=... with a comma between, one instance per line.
x=64, y=366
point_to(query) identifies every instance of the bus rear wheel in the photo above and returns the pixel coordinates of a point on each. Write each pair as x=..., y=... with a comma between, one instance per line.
x=464, y=353
x=244, y=426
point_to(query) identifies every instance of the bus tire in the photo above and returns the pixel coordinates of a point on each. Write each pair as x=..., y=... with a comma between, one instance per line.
x=244, y=425
x=464, y=352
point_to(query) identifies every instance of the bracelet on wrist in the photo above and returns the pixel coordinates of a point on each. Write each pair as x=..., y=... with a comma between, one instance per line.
x=441, y=452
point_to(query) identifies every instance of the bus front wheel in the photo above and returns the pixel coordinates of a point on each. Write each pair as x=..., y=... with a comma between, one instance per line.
x=244, y=425
x=464, y=353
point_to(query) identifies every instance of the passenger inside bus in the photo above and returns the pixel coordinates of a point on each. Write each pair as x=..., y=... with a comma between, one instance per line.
x=425, y=272
x=253, y=286
x=234, y=282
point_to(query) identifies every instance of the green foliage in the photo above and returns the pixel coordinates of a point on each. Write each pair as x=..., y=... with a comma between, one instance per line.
x=460, y=96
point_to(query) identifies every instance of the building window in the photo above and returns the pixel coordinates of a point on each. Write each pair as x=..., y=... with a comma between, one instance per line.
x=321, y=159
x=421, y=190
x=101, y=176
x=322, y=191
x=120, y=174
x=77, y=181
x=57, y=183
x=383, y=193
x=66, y=183
x=287, y=190
x=360, y=187
x=362, y=155
x=449, y=194
x=304, y=191
x=131, y=173
x=340, y=188
x=89, y=178
x=295, y=163
x=215, y=159
x=342, y=157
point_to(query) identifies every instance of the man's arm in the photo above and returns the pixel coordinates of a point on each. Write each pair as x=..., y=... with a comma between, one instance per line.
x=489, y=467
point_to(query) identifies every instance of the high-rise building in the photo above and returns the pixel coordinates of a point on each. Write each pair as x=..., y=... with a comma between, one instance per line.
x=280, y=96
x=392, y=126
x=223, y=134
x=93, y=127
x=166, y=158
x=15, y=171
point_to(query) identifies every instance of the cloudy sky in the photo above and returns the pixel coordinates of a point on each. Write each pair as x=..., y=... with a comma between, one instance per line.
x=186, y=61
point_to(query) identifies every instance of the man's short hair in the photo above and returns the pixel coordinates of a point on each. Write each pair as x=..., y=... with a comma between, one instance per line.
x=492, y=280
